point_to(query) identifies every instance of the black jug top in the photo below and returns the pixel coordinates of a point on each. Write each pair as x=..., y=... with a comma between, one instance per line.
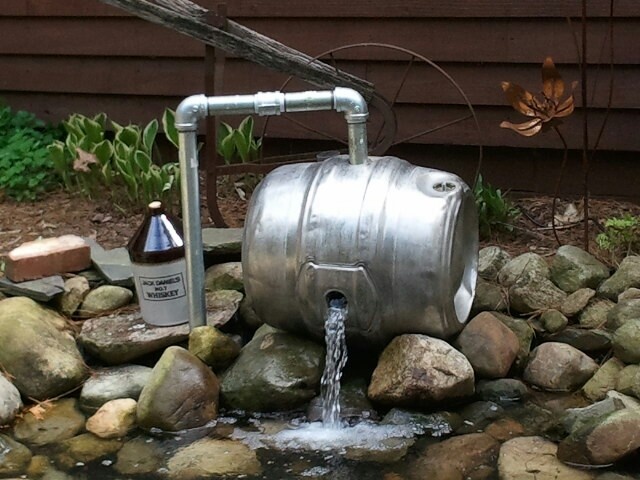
x=158, y=239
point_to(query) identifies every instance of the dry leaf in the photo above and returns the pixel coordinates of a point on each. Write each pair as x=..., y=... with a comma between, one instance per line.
x=39, y=409
x=81, y=164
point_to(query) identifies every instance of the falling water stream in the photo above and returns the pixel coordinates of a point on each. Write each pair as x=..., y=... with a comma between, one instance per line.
x=334, y=327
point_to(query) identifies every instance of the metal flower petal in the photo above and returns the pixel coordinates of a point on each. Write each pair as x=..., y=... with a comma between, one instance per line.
x=527, y=129
x=520, y=99
x=552, y=83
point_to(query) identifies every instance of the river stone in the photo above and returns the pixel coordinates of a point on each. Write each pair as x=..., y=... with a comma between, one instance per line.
x=387, y=450
x=10, y=401
x=353, y=402
x=139, y=456
x=84, y=448
x=527, y=264
x=631, y=403
x=504, y=429
x=629, y=294
x=534, y=458
x=224, y=276
x=490, y=262
x=438, y=424
x=489, y=296
x=623, y=312
x=577, y=301
x=584, y=340
x=417, y=371
x=572, y=269
x=595, y=313
x=489, y=345
x=604, y=380
x=120, y=338
x=477, y=415
x=502, y=390
x=75, y=290
x=222, y=305
x=14, y=457
x=627, y=276
x=557, y=366
x=222, y=241
x=626, y=342
x=275, y=371
x=603, y=441
x=114, y=419
x=105, y=384
x=553, y=321
x=104, y=299
x=576, y=418
x=629, y=381
x=181, y=393
x=40, y=290
x=57, y=422
x=42, y=360
x=213, y=347
x=532, y=293
x=209, y=457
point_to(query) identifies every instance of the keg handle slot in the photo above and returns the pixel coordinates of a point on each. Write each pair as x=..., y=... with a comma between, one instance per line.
x=336, y=299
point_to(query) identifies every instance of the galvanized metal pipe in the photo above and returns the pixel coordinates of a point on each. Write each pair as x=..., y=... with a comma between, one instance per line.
x=196, y=107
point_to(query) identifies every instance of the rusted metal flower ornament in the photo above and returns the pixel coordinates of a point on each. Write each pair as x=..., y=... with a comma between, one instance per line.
x=545, y=108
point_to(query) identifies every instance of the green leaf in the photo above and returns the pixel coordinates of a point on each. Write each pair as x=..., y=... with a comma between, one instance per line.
x=129, y=135
x=169, y=126
x=143, y=160
x=246, y=128
x=243, y=145
x=227, y=149
x=149, y=135
x=94, y=131
x=103, y=151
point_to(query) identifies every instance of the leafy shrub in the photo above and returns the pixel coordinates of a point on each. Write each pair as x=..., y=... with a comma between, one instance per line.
x=495, y=211
x=621, y=236
x=26, y=170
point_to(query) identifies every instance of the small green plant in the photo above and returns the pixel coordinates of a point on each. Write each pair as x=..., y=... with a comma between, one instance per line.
x=26, y=170
x=495, y=211
x=621, y=236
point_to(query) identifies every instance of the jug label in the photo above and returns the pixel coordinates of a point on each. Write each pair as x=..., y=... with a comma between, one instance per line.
x=163, y=285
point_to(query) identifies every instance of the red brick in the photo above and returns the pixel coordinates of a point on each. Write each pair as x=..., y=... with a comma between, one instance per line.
x=49, y=256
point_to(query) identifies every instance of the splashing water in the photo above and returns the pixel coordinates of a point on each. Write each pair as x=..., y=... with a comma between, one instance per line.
x=334, y=363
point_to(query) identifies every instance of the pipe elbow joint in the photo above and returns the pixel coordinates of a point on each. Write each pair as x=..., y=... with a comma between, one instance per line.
x=190, y=110
x=350, y=102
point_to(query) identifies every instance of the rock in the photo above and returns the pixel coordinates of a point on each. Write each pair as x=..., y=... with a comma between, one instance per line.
x=489, y=296
x=613, y=476
x=534, y=458
x=629, y=402
x=629, y=294
x=139, y=456
x=438, y=424
x=502, y=391
x=525, y=335
x=623, y=312
x=576, y=418
x=222, y=241
x=629, y=381
x=533, y=293
x=559, y=367
x=527, y=264
x=14, y=457
x=248, y=315
x=83, y=449
x=213, y=347
x=113, y=265
x=489, y=345
x=572, y=269
x=553, y=321
x=505, y=429
x=490, y=262
x=603, y=441
x=477, y=415
x=75, y=290
x=387, y=450
x=42, y=290
x=222, y=305
x=583, y=340
x=58, y=422
x=353, y=402
x=626, y=342
x=43, y=361
x=120, y=338
x=38, y=466
x=417, y=371
x=275, y=371
x=209, y=457
x=595, y=313
x=627, y=276
x=107, y=384
x=114, y=419
x=224, y=276
x=604, y=380
x=181, y=393
x=104, y=299
x=577, y=301
x=46, y=257
x=10, y=401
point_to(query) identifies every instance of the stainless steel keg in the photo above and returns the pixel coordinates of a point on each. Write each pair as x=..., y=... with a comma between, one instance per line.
x=398, y=241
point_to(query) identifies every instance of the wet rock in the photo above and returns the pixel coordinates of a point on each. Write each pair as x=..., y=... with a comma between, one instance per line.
x=604, y=380
x=583, y=340
x=489, y=345
x=417, y=370
x=104, y=299
x=553, y=321
x=248, y=315
x=84, y=448
x=181, y=393
x=629, y=402
x=455, y=458
x=14, y=457
x=477, y=415
x=438, y=424
x=209, y=457
x=623, y=312
x=43, y=361
x=532, y=293
x=604, y=440
x=38, y=466
x=275, y=371
x=577, y=301
x=120, y=338
x=534, y=458
x=353, y=402
x=626, y=342
x=114, y=265
x=489, y=296
x=10, y=401
x=490, y=262
x=575, y=418
x=629, y=294
x=627, y=276
x=58, y=422
x=75, y=290
x=222, y=305
x=388, y=450
x=502, y=390
x=505, y=429
x=629, y=381
x=559, y=367
x=224, y=276
x=525, y=335
x=572, y=269
x=595, y=313
x=107, y=384
x=114, y=419
x=222, y=241
x=139, y=456
x=41, y=290
x=525, y=265
x=213, y=347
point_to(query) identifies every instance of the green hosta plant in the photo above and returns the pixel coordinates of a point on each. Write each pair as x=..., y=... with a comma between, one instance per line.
x=495, y=211
x=621, y=236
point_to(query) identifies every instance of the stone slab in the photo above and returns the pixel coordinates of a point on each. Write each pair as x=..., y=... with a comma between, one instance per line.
x=222, y=241
x=41, y=290
x=114, y=265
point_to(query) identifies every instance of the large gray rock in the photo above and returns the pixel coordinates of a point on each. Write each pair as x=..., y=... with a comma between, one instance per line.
x=576, y=418
x=489, y=296
x=627, y=276
x=624, y=311
x=417, y=370
x=104, y=299
x=107, y=384
x=525, y=265
x=559, y=367
x=224, y=276
x=553, y=321
x=626, y=342
x=43, y=361
x=181, y=393
x=629, y=381
x=10, y=401
x=490, y=262
x=275, y=371
x=41, y=290
x=60, y=421
x=14, y=457
x=584, y=340
x=604, y=380
x=222, y=241
x=577, y=301
x=595, y=313
x=531, y=293
x=572, y=269
x=525, y=334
